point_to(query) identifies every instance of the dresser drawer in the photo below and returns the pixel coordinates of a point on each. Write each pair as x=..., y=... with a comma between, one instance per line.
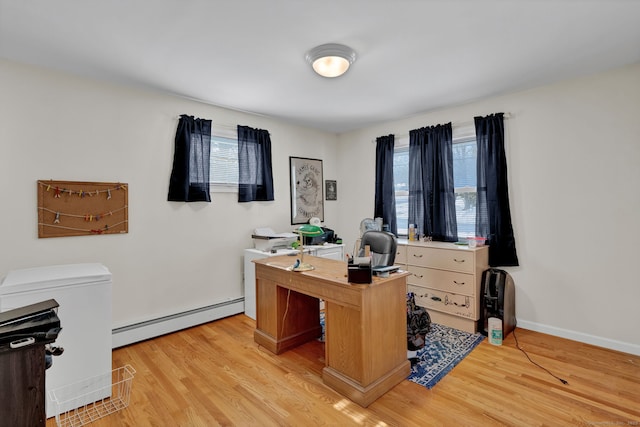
x=431, y=299
x=444, y=259
x=448, y=281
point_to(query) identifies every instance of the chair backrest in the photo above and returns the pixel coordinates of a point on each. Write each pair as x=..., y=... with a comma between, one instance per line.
x=383, y=246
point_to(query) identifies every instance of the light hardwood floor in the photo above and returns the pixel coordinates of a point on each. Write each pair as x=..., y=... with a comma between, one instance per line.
x=215, y=374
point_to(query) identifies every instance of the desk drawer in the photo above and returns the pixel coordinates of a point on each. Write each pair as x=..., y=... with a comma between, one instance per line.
x=448, y=281
x=459, y=305
x=444, y=259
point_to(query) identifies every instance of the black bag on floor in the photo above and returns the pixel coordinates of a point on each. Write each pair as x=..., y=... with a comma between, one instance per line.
x=418, y=323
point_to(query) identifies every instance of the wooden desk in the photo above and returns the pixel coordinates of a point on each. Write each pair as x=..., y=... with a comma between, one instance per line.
x=365, y=325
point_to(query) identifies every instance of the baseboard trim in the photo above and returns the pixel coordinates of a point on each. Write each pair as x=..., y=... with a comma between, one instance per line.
x=153, y=328
x=624, y=347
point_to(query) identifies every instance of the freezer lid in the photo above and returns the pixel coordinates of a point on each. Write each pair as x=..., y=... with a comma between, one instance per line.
x=54, y=276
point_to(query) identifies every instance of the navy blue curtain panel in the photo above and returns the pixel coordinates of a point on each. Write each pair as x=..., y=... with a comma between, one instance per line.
x=385, y=198
x=432, y=196
x=493, y=216
x=189, y=180
x=255, y=180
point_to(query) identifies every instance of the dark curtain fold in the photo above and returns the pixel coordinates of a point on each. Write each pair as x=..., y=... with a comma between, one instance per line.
x=385, y=199
x=493, y=216
x=431, y=191
x=189, y=180
x=255, y=180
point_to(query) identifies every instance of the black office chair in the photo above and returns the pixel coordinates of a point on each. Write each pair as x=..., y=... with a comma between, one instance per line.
x=383, y=246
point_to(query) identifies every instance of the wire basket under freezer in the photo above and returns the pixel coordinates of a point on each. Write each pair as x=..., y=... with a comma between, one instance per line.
x=88, y=400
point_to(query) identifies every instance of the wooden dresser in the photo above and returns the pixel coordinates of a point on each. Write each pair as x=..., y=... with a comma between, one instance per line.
x=446, y=280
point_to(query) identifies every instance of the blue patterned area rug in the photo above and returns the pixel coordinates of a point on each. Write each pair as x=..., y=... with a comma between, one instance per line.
x=445, y=347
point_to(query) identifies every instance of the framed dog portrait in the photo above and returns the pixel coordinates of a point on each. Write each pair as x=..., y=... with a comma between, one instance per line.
x=307, y=197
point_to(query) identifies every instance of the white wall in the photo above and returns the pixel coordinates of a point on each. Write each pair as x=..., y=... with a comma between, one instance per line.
x=176, y=256
x=573, y=152
x=573, y=159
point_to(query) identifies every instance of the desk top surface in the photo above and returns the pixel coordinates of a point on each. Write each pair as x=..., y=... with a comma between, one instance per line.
x=325, y=269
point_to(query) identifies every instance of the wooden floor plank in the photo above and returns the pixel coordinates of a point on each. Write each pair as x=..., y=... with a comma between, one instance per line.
x=215, y=375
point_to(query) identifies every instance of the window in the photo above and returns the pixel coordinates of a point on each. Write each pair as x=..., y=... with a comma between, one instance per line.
x=401, y=184
x=464, y=179
x=223, y=163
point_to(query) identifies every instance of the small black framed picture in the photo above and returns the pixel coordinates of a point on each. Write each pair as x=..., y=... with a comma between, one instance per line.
x=331, y=189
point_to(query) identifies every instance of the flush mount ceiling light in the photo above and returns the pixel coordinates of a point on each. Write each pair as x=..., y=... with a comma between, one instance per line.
x=331, y=60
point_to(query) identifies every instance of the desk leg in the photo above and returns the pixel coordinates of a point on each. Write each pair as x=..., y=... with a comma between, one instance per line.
x=284, y=318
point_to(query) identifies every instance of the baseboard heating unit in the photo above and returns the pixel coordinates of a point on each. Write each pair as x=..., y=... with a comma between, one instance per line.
x=164, y=325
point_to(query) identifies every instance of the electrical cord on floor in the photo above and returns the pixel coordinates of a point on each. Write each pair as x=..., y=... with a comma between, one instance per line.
x=286, y=310
x=563, y=381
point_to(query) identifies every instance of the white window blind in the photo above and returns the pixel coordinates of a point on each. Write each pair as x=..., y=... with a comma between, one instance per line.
x=223, y=164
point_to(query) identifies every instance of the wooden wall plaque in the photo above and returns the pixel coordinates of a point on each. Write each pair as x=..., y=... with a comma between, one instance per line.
x=75, y=208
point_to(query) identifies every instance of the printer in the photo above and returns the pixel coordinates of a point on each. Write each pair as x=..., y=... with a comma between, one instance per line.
x=267, y=240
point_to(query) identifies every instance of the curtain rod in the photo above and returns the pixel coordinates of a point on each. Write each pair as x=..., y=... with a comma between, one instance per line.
x=222, y=126
x=214, y=124
x=453, y=124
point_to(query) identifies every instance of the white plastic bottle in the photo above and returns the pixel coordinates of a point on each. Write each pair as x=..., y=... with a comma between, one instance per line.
x=495, y=330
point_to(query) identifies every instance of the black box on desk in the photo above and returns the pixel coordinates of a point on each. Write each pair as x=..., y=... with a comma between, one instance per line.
x=327, y=236
x=359, y=273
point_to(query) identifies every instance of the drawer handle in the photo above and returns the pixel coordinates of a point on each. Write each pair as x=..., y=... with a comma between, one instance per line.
x=451, y=302
x=437, y=299
x=417, y=256
x=458, y=260
x=419, y=276
x=459, y=283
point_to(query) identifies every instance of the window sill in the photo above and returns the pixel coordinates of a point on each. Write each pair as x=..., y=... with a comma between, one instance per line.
x=220, y=188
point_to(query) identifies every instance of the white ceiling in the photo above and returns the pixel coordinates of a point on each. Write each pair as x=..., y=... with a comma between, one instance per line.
x=413, y=55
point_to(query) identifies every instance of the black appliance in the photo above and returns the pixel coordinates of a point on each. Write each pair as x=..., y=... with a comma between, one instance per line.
x=327, y=236
x=498, y=299
x=31, y=324
x=26, y=334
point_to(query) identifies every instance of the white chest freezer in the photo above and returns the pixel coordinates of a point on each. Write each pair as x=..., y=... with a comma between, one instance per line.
x=84, y=294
